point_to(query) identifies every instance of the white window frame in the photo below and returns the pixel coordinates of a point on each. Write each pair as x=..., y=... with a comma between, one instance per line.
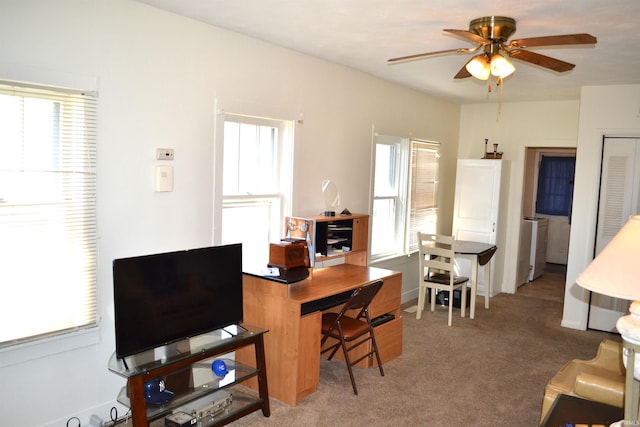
x=398, y=167
x=402, y=243
x=81, y=143
x=280, y=200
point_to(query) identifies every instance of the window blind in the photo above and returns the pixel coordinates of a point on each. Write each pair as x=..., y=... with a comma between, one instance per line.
x=423, y=191
x=47, y=211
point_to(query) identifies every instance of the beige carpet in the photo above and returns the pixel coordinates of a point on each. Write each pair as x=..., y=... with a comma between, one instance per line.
x=490, y=371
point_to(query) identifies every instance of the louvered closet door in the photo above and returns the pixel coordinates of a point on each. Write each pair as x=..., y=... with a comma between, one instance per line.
x=619, y=199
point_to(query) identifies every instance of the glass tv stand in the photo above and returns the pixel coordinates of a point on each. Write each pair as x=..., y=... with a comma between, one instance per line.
x=186, y=369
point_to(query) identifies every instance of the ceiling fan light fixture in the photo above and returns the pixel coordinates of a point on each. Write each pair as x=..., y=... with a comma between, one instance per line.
x=479, y=67
x=501, y=67
x=492, y=34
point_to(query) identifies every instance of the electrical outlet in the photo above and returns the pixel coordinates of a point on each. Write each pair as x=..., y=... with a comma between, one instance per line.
x=164, y=153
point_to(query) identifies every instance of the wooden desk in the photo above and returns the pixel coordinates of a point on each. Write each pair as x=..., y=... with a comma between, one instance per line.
x=292, y=346
x=482, y=253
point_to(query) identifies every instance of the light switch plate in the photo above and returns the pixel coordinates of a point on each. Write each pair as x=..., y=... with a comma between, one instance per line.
x=164, y=178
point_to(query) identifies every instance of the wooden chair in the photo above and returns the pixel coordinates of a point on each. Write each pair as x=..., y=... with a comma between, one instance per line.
x=437, y=272
x=352, y=332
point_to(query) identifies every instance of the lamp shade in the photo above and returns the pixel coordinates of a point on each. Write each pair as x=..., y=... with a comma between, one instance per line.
x=479, y=67
x=616, y=270
x=501, y=67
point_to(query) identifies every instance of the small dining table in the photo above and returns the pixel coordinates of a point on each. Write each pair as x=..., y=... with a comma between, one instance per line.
x=481, y=254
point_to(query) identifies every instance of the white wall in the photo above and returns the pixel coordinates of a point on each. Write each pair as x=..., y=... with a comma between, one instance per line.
x=604, y=110
x=520, y=125
x=161, y=79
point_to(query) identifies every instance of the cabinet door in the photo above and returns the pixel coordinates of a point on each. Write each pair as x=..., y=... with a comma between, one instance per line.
x=308, y=349
x=475, y=214
x=477, y=198
x=360, y=236
x=619, y=198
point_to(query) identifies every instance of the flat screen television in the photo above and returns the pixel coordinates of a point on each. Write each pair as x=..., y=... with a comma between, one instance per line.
x=163, y=298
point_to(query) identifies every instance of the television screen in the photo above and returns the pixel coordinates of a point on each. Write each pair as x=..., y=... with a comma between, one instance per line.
x=163, y=298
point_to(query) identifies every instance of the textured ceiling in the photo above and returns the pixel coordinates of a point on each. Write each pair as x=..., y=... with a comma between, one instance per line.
x=364, y=34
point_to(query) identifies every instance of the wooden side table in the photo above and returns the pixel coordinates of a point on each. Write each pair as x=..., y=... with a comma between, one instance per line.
x=568, y=410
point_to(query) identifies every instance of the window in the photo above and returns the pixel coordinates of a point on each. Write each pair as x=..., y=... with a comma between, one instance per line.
x=404, y=194
x=256, y=183
x=555, y=185
x=389, y=200
x=47, y=212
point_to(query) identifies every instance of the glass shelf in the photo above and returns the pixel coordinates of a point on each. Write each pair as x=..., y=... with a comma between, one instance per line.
x=202, y=382
x=241, y=402
x=210, y=342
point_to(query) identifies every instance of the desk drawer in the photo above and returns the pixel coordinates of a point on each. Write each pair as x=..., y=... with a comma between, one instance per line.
x=389, y=340
x=388, y=298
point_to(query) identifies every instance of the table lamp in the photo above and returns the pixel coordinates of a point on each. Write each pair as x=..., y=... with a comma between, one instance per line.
x=616, y=272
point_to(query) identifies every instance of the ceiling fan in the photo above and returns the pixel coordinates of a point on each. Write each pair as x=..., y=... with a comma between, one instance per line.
x=490, y=34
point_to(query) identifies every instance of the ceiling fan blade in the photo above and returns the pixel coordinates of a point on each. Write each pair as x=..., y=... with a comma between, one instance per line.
x=425, y=55
x=463, y=73
x=472, y=37
x=541, y=60
x=554, y=40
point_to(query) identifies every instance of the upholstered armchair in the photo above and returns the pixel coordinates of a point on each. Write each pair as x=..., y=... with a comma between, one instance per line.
x=600, y=379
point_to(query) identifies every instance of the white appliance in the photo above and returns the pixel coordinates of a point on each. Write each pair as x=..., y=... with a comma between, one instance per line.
x=538, y=254
x=524, y=252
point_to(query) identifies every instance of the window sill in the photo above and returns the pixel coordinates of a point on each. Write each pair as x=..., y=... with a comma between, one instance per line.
x=37, y=349
x=391, y=259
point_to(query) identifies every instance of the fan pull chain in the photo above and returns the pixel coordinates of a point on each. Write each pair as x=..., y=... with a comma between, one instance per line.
x=500, y=83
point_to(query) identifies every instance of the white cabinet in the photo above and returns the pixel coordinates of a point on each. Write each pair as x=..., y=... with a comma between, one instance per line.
x=476, y=207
